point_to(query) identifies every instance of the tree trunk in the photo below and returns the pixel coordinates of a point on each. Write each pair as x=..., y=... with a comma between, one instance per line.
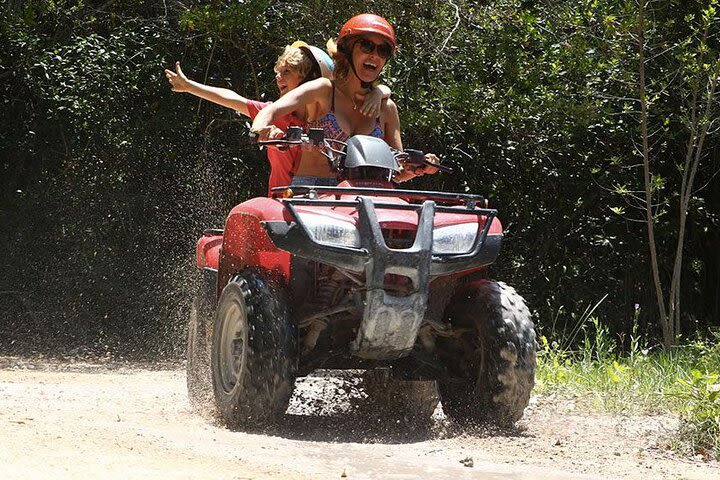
x=698, y=130
x=665, y=323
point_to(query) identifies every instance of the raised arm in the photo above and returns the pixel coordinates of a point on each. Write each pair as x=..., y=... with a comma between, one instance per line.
x=221, y=96
x=306, y=102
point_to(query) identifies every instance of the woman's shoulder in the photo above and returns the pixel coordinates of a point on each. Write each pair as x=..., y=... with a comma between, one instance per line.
x=318, y=98
x=389, y=110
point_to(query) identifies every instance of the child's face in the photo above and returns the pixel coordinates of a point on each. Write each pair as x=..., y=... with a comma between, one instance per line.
x=286, y=78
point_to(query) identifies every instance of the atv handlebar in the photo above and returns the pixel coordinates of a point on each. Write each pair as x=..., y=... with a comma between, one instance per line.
x=295, y=137
x=409, y=157
x=416, y=158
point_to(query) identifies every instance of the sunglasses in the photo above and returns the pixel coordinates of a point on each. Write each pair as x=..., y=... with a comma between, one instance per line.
x=384, y=50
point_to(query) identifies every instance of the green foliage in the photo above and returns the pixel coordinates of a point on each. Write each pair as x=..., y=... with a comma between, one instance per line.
x=610, y=380
x=534, y=103
x=698, y=397
x=700, y=412
x=105, y=184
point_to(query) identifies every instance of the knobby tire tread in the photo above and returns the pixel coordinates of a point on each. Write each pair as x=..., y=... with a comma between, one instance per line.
x=266, y=384
x=497, y=389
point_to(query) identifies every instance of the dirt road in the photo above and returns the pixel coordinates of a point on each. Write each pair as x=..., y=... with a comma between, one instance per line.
x=75, y=420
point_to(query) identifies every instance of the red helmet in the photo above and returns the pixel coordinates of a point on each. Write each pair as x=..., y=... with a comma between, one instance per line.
x=367, y=23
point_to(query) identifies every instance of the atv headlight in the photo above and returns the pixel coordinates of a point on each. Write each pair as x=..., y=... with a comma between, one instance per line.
x=454, y=238
x=331, y=232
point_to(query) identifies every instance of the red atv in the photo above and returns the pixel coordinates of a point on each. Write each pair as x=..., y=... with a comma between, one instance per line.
x=359, y=276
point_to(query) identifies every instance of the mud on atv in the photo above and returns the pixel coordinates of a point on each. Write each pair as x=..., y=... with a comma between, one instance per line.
x=359, y=276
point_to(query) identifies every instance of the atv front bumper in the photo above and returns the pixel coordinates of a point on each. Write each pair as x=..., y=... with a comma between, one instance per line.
x=390, y=323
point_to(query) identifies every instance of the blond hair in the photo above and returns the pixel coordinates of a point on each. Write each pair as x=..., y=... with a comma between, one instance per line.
x=295, y=59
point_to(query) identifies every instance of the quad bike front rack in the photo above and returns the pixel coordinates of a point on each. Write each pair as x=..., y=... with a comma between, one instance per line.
x=390, y=323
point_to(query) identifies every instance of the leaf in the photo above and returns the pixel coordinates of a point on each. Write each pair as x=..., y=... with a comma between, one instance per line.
x=657, y=182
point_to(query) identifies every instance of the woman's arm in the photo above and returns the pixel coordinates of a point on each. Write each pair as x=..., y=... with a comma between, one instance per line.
x=390, y=120
x=391, y=131
x=307, y=102
x=221, y=96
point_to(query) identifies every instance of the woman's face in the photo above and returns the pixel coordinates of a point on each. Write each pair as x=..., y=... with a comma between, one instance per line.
x=287, y=78
x=370, y=52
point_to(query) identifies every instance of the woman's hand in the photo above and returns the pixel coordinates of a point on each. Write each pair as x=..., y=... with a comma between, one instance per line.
x=372, y=103
x=177, y=79
x=414, y=170
x=428, y=169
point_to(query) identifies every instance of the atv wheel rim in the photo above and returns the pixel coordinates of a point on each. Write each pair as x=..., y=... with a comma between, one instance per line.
x=233, y=346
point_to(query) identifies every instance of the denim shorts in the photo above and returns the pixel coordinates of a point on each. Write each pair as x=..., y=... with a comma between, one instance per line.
x=313, y=181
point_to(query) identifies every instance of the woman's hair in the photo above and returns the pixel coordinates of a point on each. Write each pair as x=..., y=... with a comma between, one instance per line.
x=342, y=64
x=296, y=59
x=341, y=55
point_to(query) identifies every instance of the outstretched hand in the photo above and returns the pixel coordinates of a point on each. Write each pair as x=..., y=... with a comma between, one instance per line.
x=177, y=79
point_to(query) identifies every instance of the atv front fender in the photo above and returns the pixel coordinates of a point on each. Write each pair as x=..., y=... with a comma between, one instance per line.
x=246, y=243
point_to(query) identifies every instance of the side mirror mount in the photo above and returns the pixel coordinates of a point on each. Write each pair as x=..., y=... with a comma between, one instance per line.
x=293, y=134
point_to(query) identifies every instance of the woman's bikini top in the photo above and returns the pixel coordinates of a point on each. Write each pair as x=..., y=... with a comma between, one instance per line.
x=332, y=128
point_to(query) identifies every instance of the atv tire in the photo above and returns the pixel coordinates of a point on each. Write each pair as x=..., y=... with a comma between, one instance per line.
x=254, y=352
x=492, y=365
x=199, y=383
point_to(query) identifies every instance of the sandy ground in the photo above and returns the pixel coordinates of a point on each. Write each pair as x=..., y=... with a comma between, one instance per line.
x=65, y=420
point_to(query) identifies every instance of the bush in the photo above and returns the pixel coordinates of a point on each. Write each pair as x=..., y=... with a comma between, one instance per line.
x=641, y=381
x=699, y=400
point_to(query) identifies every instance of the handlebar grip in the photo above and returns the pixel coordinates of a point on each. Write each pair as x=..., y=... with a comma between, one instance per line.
x=442, y=168
x=281, y=143
x=417, y=157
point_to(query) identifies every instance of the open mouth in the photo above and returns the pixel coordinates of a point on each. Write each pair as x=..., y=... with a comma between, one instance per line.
x=369, y=70
x=370, y=67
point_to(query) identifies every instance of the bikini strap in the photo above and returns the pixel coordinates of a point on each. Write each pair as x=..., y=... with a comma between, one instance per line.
x=332, y=104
